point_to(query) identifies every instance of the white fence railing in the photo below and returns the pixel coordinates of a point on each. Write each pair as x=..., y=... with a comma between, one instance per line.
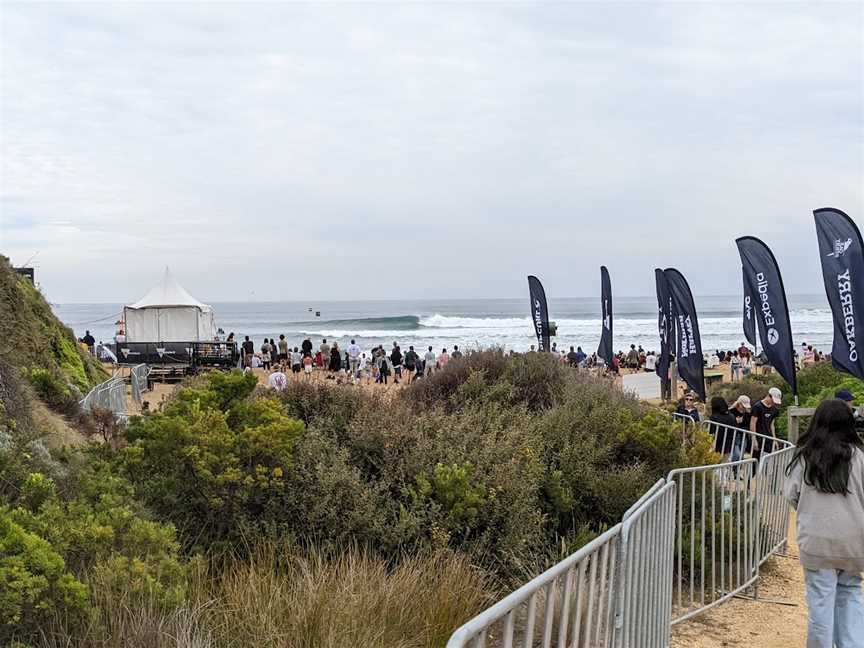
x=138, y=380
x=691, y=542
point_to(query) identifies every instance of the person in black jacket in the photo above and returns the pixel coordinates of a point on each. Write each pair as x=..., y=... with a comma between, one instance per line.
x=724, y=437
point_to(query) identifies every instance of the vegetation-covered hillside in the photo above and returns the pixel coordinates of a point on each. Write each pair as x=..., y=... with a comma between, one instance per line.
x=36, y=339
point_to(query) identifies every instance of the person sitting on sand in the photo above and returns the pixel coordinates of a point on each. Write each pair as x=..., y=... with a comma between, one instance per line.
x=825, y=485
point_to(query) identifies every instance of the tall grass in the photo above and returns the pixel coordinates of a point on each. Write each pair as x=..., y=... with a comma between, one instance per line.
x=281, y=598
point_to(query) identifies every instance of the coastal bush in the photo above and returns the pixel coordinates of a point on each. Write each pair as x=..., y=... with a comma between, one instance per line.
x=57, y=395
x=35, y=584
x=213, y=461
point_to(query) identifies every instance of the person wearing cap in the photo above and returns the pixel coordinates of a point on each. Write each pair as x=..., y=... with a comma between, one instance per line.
x=741, y=411
x=762, y=417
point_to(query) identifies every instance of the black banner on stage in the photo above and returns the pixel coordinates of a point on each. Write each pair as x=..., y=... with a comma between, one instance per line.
x=605, y=349
x=665, y=323
x=749, y=319
x=771, y=310
x=539, y=312
x=841, y=252
x=688, y=344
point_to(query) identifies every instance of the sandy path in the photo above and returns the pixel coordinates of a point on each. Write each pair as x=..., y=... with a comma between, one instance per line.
x=743, y=622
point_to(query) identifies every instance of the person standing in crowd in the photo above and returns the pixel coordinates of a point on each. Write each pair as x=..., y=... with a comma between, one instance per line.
x=572, y=358
x=722, y=426
x=277, y=380
x=456, y=353
x=429, y=362
x=688, y=407
x=247, y=349
x=741, y=411
x=307, y=366
x=650, y=362
x=632, y=359
x=353, y=357
x=89, y=340
x=746, y=364
x=334, y=362
x=443, y=358
x=735, y=364
x=296, y=360
x=306, y=347
x=580, y=357
x=762, y=417
x=396, y=360
x=825, y=485
x=265, y=354
x=410, y=361
x=325, y=350
x=383, y=368
x=283, y=349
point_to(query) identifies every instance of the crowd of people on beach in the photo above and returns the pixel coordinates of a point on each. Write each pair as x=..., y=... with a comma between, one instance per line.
x=378, y=365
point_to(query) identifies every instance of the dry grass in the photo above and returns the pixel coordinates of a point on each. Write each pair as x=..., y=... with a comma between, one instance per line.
x=282, y=599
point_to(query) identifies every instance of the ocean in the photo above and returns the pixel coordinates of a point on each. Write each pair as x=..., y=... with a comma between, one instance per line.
x=471, y=323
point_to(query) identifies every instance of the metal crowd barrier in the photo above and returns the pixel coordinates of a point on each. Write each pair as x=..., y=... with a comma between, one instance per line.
x=691, y=542
x=111, y=394
x=138, y=380
x=571, y=603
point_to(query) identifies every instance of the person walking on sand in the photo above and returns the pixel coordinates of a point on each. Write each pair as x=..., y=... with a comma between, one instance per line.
x=825, y=485
x=762, y=417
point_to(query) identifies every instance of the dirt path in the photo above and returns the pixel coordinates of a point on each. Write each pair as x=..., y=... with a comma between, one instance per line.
x=744, y=622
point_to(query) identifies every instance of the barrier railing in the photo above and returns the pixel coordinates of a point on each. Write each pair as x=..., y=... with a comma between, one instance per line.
x=647, y=535
x=138, y=380
x=714, y=540
x=691, y=542
x=109, y=395
x=570, y=603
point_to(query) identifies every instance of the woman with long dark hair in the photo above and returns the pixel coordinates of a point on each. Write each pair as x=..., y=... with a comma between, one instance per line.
x=825, y=484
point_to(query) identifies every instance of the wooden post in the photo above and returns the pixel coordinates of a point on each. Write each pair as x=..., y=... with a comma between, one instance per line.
x=794, y=415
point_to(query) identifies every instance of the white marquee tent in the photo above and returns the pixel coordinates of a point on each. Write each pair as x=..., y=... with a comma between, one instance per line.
x=168, y=314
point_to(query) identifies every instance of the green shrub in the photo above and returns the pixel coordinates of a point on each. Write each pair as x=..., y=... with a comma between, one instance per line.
x=35, y=584
x=54, y=392
x=210, y=462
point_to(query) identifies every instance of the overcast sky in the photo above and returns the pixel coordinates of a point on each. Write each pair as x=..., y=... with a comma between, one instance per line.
x=408, y=151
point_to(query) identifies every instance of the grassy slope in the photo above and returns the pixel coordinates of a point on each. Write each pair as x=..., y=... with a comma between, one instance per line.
x=33, y=336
